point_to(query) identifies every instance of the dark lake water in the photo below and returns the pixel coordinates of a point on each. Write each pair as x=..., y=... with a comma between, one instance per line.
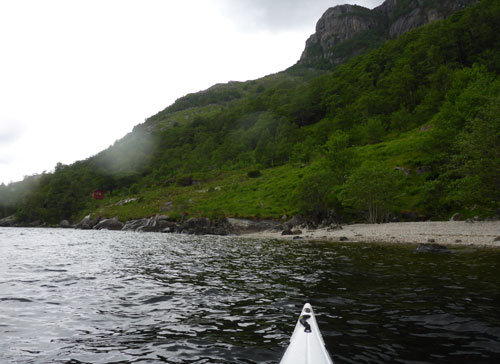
x=70, y=296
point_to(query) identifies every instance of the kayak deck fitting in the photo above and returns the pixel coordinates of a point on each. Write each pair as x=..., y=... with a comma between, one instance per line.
x=306, y=343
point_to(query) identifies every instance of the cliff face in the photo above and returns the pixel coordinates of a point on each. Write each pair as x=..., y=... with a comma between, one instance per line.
x=402, y=18
x=337, y=25
x=341, y=23
x=347, y=30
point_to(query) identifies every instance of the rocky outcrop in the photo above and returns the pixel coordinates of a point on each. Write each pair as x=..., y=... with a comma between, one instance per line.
x=342, y=24
x=205, y=226
x=163, y=224
x=109, y=224
x=336, y=26
x=416, y=13
x=194, y=225
x=87, y=223
x=245, y=226
x=156, y=223
x=9, y=221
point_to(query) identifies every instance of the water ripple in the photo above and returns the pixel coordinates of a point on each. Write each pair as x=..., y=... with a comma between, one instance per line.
x=71, y=296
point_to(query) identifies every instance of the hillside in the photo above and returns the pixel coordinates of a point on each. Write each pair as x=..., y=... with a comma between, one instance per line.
x=408, y=131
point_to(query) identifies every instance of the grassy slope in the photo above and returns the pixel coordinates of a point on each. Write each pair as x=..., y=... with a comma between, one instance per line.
x=234, y=194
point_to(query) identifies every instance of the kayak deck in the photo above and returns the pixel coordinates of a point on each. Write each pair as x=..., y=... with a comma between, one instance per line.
x=306, y=343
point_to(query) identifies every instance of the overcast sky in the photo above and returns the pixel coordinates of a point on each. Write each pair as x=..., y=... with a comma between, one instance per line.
x=76, y=75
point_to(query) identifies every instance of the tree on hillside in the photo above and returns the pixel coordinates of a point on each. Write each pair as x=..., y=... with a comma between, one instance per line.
x=341, y=159
x=479, y=157
x=315, y=194
x=372, y=188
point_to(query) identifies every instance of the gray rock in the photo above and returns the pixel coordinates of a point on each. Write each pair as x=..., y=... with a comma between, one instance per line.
x=109, y=224
x=194, y=225
x=416, y=15
x=155, y=223
x=221, y=227
x=9, y=221
x=198, y=225
x=133, y=225
x=64, y=224
x=87, y=223
x=169, y=227
x=432, y=248
x=456, y=217
x=337, y=25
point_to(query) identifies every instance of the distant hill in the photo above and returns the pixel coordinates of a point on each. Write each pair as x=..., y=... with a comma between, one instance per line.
x=408, y=130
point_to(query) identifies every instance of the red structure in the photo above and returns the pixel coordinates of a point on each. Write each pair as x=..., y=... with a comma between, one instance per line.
x=98, y=195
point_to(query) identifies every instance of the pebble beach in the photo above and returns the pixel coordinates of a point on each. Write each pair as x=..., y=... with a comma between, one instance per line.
x=480, y=233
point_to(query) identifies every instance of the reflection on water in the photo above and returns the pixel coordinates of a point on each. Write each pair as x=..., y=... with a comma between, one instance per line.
x=71, y=296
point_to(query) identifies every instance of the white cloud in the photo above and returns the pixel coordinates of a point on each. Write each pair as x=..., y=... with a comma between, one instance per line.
x=10, y=131
x=6, y=159
x=282, y=15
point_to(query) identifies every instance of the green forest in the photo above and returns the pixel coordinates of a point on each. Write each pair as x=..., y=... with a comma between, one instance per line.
x=407, y=131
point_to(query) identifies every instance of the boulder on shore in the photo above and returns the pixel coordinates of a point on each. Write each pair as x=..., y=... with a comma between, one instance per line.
x=156, y=223
x=134, y=225
x=64, y=224
x=109, y=224
x=87, y=223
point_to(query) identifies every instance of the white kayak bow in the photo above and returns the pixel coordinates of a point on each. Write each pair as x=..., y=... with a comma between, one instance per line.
x=306, y=344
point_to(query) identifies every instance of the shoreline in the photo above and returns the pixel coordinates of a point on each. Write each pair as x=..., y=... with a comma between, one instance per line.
x=452, y=233
x=457, y=233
